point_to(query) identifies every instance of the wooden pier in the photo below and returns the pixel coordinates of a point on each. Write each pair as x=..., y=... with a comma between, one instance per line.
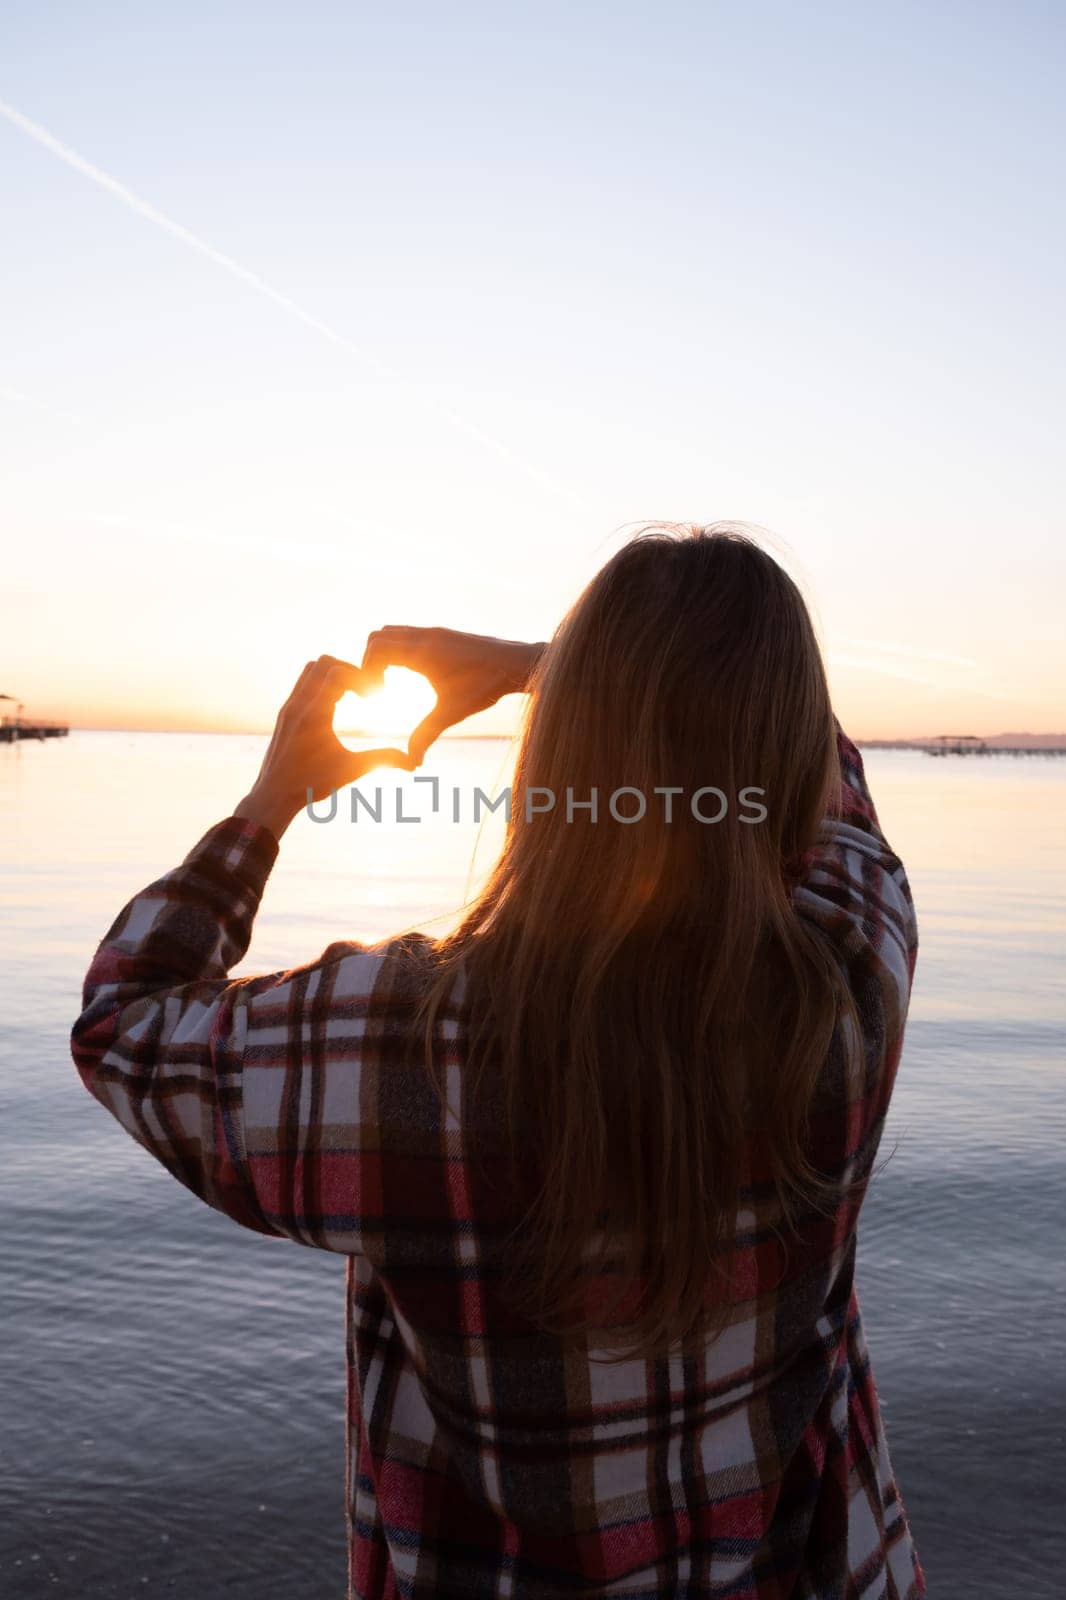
x=20, y=727
x=957, y=744
x=13, y=728
x=969, y=744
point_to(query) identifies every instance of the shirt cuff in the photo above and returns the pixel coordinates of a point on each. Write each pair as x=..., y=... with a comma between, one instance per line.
x=244, y=848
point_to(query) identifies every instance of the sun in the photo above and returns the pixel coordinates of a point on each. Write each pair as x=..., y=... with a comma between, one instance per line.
x=392, y=713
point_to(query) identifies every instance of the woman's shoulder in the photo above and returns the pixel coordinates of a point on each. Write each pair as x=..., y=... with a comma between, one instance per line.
x=392, y=976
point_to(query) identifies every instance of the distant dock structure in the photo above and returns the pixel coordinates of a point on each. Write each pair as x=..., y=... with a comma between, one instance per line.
x=958, y=744
x=970, y=744
x=20, y=727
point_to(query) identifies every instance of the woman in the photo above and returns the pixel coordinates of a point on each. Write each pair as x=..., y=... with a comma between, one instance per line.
x=596, y=1159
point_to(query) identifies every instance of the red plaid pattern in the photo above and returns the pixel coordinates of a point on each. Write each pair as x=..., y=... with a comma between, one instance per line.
x=484, y=1458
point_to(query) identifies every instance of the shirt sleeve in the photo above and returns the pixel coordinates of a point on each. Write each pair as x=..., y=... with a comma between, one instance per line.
x=854, y=889
x=246, y=1090
x=854, y=885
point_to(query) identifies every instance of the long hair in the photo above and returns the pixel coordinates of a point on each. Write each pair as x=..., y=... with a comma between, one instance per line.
x=643, y=986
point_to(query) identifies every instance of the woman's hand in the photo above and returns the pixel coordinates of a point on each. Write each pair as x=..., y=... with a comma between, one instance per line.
x=305, y=754
x=469, y=672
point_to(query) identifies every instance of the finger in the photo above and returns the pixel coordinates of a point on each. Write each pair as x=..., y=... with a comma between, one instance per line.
x=301, y=683
x=322, y=685
x=390, y=647
x=360, y=762
x=331, y=679
x=327, y=664
x=431, y=727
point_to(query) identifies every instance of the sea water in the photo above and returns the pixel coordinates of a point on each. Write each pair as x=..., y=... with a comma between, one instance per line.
x=172, y=1386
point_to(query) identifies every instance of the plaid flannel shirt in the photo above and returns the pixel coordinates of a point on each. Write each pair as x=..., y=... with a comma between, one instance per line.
x=484, y=1458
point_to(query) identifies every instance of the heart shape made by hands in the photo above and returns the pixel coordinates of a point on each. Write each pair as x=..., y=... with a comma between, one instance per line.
x=388, y=715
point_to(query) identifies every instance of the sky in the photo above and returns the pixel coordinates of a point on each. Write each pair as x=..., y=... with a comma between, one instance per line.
x=317, y=318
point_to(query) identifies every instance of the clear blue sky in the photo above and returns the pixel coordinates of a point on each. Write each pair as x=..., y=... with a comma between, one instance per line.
x=799, y=265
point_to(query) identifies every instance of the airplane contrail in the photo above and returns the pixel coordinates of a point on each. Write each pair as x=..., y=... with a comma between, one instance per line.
x=314, y=551
x=104, y=180
x=911, y=652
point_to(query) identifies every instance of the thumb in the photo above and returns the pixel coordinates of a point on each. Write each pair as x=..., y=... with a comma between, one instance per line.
x=430, y=728
x=363, y=761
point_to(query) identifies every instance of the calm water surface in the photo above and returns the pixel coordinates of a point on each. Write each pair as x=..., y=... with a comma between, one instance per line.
x=172, y=1386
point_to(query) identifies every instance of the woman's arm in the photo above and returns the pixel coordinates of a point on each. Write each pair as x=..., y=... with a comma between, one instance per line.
x=855, y=890
x=248, y=1091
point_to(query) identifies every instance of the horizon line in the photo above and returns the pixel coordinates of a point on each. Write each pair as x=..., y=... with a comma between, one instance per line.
x=359, y=733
